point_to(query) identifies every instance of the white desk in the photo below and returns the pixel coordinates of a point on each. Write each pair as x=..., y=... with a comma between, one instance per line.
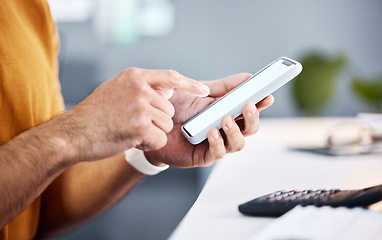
x=266, y=164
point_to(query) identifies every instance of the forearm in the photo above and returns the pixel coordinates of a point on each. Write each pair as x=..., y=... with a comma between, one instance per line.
x=83, y=192
x=28, y=164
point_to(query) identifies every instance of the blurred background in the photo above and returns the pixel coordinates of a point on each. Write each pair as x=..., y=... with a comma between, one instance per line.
x=338, y=43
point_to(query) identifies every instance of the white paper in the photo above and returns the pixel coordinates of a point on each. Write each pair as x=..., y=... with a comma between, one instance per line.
x=324, y=223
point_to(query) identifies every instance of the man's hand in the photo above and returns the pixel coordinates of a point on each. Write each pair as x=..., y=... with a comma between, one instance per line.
x=178, y=152
x=129, y=110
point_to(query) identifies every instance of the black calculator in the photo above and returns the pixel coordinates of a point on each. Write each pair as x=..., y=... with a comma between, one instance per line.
x=277, y=203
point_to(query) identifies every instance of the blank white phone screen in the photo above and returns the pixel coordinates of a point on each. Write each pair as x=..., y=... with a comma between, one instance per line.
x=219, y=109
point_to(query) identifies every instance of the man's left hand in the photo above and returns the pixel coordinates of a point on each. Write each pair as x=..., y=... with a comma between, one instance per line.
x=178, y=152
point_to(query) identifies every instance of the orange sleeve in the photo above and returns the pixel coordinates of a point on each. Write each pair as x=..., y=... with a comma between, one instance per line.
x=29, y=87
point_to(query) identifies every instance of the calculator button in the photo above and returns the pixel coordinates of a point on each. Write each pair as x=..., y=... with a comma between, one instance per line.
x=261, y=199
x=292, y=198
x=279, y=198
x=324, y=198
x=332, y=196
x=271, y=195
x=298, y=195
x=305, y=191
x=315, y=200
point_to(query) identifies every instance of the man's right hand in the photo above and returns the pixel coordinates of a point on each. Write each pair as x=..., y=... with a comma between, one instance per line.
x=128, y=110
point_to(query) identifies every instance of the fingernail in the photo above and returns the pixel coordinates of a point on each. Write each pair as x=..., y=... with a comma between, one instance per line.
x=253, y=110
x=215, y=136
x=230, y=124
x=205, y=89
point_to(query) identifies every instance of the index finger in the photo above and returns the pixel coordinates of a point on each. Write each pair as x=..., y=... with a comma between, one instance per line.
x=222, y=86
x=170, y=79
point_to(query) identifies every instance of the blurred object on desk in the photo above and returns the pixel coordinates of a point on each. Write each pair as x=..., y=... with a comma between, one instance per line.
x=374, y=121
x=361, y=135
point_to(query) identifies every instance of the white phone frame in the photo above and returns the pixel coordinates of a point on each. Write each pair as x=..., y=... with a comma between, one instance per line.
x=256, y=88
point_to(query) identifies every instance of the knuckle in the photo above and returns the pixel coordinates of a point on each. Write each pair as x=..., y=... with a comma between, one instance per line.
x=140, y=103
x=208, y=164
x=250, y=131
x=220, y=154
x=132, y=72
x=241, y=146
x=229, y=149
x=174, y=77
x=142, y=120
x=161, y=141
x=140, y=131
x=237, y=146
x=251, y=127
x=218, y=149
x=255, y=129
x=133, y=79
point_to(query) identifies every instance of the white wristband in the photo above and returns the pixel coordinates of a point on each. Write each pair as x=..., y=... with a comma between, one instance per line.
x=137, y=159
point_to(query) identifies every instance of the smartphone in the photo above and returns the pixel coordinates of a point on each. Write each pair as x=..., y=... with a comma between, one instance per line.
x=256, y=88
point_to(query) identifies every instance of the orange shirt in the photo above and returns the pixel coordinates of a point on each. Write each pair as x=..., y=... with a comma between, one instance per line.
x=29, y=87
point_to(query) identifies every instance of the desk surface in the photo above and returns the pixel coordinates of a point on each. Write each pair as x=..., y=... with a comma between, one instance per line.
x=265, y=165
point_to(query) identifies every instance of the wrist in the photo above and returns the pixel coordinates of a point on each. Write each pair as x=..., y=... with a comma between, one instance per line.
x=44, y=144
x=155, y=163
x=57, y=138
x=137, y=159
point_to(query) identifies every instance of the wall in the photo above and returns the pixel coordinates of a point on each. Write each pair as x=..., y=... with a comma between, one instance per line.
x=213, y=39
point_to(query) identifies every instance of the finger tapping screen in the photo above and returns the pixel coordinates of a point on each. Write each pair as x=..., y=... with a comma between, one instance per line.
x=245, y=91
